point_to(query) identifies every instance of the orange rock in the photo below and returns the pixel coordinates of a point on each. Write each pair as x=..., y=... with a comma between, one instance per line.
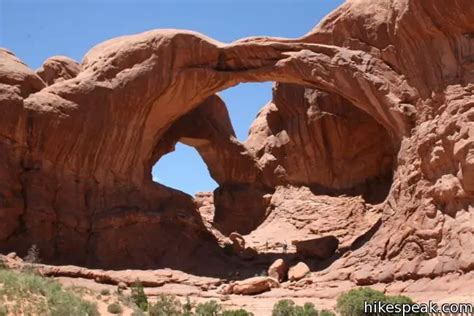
x=298, y=271
x=278, y=270
x=58, y=68
x=238, y=242
x=255, y=285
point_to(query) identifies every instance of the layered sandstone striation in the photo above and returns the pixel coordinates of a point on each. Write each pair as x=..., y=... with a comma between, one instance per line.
x=375, y=103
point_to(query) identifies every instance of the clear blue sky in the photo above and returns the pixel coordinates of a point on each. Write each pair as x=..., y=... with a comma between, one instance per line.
x=37, y=29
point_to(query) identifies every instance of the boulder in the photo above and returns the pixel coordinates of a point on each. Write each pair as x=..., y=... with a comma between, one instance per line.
x=298, y=271
x=122, y=286
x=12, y=255
x=255, y=285
x=278, y=270
x=321, y=248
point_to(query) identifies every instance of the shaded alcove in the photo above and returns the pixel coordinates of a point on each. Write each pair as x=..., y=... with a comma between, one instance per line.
x=311, y=137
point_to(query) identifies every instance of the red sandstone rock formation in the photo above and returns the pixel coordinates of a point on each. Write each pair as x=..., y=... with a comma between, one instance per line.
x=58, y=68
x=377, y=100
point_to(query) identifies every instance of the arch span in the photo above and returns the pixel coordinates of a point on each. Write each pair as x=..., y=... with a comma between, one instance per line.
x=139, y=85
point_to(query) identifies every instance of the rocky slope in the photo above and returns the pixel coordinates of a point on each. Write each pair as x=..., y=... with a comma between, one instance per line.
x=376, y=101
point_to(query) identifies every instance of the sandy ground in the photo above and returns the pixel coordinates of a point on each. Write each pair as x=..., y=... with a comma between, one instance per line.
x=323, y=296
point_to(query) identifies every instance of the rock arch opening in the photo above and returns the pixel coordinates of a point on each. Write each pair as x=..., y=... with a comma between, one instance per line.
x=243, y=103
x=183, y=169
x=228, y=121
x=312, y=138
x=303, y=137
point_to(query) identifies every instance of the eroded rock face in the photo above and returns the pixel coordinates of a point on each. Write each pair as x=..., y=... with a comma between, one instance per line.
x=58, y=68
x=377, y=100
x=313, y=225
x=311, y=137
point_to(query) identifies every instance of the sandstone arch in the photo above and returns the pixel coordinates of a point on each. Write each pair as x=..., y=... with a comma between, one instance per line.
x=130, y=91
x=143, y=76
x=75, y=155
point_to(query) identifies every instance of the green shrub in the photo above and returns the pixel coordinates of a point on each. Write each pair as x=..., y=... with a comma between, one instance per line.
x=66, y=303
x=32, y=294
x=283, y=308
x=188, y=307
x=114, y=308
x=126, y=300
x=237, y=312
x=399, y=299
x=33, y=255
x=352, y=302
x=3, y=311
x=105, y=292
x=211, y=308
x=165, y=306
x=138, y=312
x=289, y=308
x=308, y=310
x=325, y=312
x=139, y=297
